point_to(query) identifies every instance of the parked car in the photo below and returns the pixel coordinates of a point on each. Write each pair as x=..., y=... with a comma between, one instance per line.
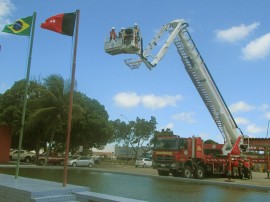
x=143, y=162
x=53, y=158
x=25, y=155
x=81, y=161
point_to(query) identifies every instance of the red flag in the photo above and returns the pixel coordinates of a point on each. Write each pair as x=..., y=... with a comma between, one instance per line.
x=61, y=23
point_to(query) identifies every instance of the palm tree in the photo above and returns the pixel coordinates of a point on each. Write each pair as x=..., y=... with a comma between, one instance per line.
x=51, y=108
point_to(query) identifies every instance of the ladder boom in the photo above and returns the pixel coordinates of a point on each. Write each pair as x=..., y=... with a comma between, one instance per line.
x=200, y=76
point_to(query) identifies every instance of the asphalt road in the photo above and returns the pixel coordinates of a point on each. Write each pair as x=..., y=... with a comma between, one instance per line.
x=259, y=178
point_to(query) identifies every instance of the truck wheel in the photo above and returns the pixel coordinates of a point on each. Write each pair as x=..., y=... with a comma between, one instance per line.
x=187, y=172
x=199, y=173
x=74, y=164
x=163, y=173
x=27, y=159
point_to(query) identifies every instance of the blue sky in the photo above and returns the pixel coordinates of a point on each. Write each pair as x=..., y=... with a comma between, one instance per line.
x=233, y=38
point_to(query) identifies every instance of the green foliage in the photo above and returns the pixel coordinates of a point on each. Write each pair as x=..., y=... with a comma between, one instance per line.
x=11, y=104
x=47, y=113
x=93, y=129
x=209, y=141
x=135, y=133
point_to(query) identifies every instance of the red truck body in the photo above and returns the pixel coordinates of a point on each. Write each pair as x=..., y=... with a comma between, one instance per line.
x=190, y=157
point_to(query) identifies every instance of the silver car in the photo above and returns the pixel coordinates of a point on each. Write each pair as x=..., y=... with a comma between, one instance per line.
x=143, y=162
x=81, y=161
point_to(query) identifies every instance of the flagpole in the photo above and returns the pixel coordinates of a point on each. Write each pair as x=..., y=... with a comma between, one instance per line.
x=25, y=94
x=71, y=97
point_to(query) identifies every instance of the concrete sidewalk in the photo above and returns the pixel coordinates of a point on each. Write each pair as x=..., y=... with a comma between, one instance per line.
x=34, y=190
x=27, y=189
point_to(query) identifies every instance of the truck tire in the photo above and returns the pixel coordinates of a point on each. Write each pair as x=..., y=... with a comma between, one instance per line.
x=199, y=173
x=163, y=173
x=74, y=164
x=187, y=172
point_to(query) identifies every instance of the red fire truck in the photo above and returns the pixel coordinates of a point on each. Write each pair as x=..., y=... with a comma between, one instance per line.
x=189, y=156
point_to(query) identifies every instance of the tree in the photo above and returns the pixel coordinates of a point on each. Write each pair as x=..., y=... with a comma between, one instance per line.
x=46, y=116
x=135, y=133
x=50, y=109
x=11, y=105
x=121, y=132
x=209, y=141
x=93, y=129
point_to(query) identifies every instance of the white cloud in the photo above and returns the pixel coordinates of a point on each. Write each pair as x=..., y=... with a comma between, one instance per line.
x=169, y=125
x=126, y=99
x=267, y=115
x=257, y=49
x=253, y=129
x=241, y=121
x=6, y=8
x=236, y=33
x=187, y=117
x=264, y=107
x=131, y=99
x=156, y=102
x=241, y=106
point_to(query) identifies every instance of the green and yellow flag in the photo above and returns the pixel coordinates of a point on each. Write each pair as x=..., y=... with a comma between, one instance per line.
x=20, y=27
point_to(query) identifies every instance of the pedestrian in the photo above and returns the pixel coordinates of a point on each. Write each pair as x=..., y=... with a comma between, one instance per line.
x=113, y=34
x=235, y=165
x=251, y=165
x=136, y=31
x=240, y=169
x=122, y=34
x=246, y=169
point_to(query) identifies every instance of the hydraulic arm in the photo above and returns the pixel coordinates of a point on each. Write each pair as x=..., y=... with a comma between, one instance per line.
x=199, y=74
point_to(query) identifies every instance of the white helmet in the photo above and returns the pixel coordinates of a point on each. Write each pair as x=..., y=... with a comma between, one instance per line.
x=113, y=27
x=122, y=28
x=135, y=24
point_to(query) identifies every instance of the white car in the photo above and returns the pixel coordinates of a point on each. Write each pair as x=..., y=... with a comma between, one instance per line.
x=81, y=161
x=143, y=162
x=25, y=155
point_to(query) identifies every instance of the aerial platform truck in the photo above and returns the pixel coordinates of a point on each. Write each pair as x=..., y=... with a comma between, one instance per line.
x=189, y=157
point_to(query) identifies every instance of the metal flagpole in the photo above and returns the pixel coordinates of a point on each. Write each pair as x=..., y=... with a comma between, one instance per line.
x=25, y=93
x=71, y=97
x=267, y=152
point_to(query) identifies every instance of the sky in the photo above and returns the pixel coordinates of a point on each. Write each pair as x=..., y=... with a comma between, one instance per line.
x=233, y=38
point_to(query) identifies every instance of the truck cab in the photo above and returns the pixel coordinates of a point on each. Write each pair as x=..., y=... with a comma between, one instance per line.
x=177, y=155
x=127, y=41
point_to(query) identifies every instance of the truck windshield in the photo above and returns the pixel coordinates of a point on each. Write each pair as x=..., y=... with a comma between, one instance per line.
x=166, y=144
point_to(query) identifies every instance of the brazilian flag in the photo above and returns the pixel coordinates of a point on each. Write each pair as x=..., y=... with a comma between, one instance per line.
x=20, y=27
